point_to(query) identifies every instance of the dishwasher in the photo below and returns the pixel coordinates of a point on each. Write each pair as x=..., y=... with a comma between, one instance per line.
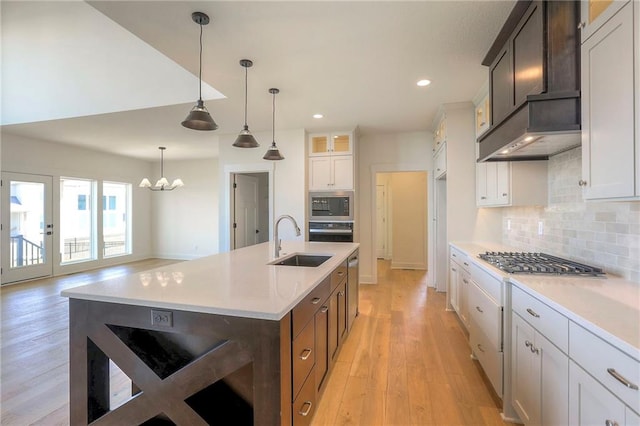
x=353, y=289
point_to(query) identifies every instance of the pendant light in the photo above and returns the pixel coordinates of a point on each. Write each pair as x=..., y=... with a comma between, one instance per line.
x=199, y=118
x=245, y=139
x=273, y=153
x=162, y=184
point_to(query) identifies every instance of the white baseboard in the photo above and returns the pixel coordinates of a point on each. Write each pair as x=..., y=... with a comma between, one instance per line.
x=367, y=279
x=407, y=265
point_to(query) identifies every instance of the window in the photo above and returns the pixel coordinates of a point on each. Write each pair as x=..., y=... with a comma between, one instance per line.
x=115, y=219
x=77, y=219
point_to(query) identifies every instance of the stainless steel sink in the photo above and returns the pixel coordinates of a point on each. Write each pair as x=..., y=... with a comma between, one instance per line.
x=298, y=259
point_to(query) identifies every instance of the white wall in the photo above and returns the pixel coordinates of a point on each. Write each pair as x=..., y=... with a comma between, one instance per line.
x=287, y=178
x=384, y=153
x=25, y=155
x=185, y=220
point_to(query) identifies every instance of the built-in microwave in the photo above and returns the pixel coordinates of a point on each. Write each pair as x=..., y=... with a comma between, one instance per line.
x=331, y=206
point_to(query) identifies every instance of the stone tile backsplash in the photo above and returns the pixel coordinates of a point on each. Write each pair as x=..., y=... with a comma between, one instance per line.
x=603, y=234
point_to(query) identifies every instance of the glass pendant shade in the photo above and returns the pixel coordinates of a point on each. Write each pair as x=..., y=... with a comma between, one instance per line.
x=199, y=118
x=273, y=153
x=144, y=183
x=245, y=139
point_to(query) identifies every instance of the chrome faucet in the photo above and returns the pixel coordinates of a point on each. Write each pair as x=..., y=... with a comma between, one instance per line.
x=277, y=241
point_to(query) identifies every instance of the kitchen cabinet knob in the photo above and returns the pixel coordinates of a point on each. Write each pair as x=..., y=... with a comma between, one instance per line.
x=581, y=25
x=341, y=293
x=465, y=281
x=454, y=269
x=480, y=347
x=306, y=409
x=305, y=354
x=619, y=377
x=315, y=300
x=527, y=343
x=324, y=309
x=479, y=310
x=582, y=182
x=483, y=198
x=611, y=423
x=504, y=194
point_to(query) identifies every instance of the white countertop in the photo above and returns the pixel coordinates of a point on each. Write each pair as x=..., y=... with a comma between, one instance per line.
x=235, y=283
x=607, y=306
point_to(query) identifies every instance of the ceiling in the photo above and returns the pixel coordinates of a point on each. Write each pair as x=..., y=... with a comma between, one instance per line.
x=120, y=76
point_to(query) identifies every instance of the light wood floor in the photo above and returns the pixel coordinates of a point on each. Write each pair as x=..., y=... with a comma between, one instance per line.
x=406, y=361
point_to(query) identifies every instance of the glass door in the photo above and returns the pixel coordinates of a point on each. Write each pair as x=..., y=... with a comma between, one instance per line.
x=27, y=227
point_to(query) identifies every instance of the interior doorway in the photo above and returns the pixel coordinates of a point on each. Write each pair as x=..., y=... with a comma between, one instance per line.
x=249, y=209
x=401, y=219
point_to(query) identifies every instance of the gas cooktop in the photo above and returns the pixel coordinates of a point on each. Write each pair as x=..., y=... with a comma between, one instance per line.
x=537, y=263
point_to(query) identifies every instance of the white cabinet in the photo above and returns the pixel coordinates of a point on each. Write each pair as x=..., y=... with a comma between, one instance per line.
x=459, y=281
x=594, y=13
x=610, y=104
x=331, y=161
x=518, y=183
x=440, y=132
x=482, y=115
x=591, y=403
x=440, y=161
x=539, y=369
x=338, y=143
x=486, y=322
x=331, y=172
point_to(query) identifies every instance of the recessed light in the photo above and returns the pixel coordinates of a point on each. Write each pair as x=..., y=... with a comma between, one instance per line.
x=423, y=83
x=318, y=115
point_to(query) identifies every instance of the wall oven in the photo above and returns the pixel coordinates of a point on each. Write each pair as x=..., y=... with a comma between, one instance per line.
x=336, y=232
x=330, y=206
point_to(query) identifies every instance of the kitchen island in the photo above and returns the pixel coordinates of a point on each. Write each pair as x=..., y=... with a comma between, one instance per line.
x=228, y=336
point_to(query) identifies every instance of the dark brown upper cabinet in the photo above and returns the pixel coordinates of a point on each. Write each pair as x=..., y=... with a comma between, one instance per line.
x=534, y=83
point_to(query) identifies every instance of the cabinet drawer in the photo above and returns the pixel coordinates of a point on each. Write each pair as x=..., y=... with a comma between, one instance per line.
x=460, y=258
x=604, y=362
x=303, y=356
x=487, y=282
x=306, y=309
x=304, y=405
x=338, y=275
x=489, y=356
x=486, y=314
x=553, y=325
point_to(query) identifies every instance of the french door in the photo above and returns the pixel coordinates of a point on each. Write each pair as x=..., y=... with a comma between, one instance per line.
x=27, y=227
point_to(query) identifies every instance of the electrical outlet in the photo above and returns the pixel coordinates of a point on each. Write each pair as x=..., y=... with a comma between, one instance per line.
x=508, y=224
x=162, y=318
x=540, y=227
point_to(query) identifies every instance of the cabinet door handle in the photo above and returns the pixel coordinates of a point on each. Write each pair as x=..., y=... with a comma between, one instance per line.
x=315, y=300
x=341, y=293
x=483, y=198
x=581, y=25
x=480, y=347
x=306, y=409
x=324, y=309
x=454, y=269
x=611, y=423
x=465, y=264
x=582, y=182
x=341, y=273
x=533, y=313
x=619, y=377
x=528, y=344
x=306, y=353
x=504, y=194
x=465, y=281
x=479, y=310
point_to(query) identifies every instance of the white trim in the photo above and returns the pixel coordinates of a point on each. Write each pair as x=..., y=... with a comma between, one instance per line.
x=401, y=265
x=229, y=169
x=399, y=167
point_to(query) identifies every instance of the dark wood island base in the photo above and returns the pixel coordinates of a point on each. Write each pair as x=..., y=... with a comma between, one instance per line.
x=186, y=368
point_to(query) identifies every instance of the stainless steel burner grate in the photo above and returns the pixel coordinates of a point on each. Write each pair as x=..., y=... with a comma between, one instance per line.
x=537, y=263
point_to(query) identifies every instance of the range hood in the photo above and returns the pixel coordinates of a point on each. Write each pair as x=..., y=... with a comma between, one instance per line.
x=537, y=115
